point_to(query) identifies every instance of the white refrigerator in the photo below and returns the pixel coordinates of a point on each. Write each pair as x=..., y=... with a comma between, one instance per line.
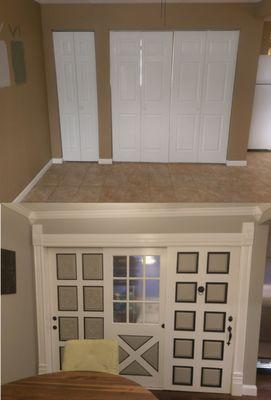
x=260, y=128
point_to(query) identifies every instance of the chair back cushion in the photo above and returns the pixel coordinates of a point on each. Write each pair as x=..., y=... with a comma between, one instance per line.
x=91, y=355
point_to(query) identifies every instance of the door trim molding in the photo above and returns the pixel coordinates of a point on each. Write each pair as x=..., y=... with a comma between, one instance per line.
x=235, y=163
x=250, y=390
x=33, y=182
x=42, y=242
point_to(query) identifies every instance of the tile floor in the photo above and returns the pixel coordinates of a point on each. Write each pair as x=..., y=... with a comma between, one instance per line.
x=142, y=182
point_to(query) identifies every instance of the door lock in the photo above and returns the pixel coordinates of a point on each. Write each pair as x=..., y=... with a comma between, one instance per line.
x=163, y=326
x=54, y=318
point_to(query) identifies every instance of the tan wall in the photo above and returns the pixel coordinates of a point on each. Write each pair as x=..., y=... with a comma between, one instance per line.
x=18, y=316
x=103, y=18
x=24, y=129
x=266, y=39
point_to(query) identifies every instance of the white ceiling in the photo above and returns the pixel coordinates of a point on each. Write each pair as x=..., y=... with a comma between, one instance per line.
x=142, y=1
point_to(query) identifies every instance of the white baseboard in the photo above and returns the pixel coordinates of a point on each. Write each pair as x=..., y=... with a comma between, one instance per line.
x=31, y=184
x=241, y=163
x=250, y=390
x=57, y=160
x=105, y=161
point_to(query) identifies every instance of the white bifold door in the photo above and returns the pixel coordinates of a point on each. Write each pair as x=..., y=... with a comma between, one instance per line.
x=172, y=95
x=77, y=94
x=140, y=83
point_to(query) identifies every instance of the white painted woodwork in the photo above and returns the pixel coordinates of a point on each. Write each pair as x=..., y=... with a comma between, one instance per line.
x=140, y=84
x=113, y=330
x=77, y=94
x=187, y=81
x=156, y=82
x=202, y=87
x=201, y=278
x=125, y=92
x=240, y=245
x=219, y=74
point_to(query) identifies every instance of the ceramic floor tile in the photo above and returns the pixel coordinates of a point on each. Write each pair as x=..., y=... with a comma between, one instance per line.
x=87, y=194
x=39, y=194
x=63, y=194
x=124, y=194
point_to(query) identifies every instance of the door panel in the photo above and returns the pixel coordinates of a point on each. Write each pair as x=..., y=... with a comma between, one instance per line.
x=156, y=80
x=201, y=294
x=67, y=94
x=77, y=94
x=134, y=309
x=87, y=94
x=188, y=69
x=125, y=75
x=220, y=61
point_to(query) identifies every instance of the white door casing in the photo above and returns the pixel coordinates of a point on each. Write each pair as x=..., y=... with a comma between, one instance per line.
x=239, y=241
x=77, y=94
x=199, y=353
x=140, y=83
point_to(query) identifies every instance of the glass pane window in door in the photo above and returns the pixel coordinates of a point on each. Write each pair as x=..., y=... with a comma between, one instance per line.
x=136, y=289
x=152, y=290
x=136, y=266
x=152, y=266
x=119, y=289
x=119, y=312
x=135, y=313
x=119, y=266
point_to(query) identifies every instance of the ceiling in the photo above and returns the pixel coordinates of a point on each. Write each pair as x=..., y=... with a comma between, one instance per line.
x=141, y=1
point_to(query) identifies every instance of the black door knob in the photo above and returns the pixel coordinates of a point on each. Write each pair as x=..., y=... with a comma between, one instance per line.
x=163, y=325
x=54, y=327
x=201, y=289
x=54, y=318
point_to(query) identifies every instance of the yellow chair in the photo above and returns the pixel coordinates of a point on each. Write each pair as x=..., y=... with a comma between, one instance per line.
x=91, y=355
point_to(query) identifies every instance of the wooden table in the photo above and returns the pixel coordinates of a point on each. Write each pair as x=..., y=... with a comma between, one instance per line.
x=75, y=386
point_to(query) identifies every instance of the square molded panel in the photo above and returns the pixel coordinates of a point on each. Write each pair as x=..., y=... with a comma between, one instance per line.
x=211, y=377
x=183, y=348
x=185, y=320
x=218, y=263
x=92, y=266
x=93, y=298
x=186, y=292
x=67, y=298
x=182, y=375
x=68, y=328
x=216, y=292
x=93, y=328
x=187, y=263
x=214, y=321
x=66, y=266
x=212, y=349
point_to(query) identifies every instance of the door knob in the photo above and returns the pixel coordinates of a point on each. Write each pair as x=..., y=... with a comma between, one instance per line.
x=54, y=327
x=201, y=289
x=54, y=318
x=163, y=326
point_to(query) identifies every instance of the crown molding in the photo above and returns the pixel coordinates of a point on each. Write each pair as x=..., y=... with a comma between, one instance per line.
x=256, y=212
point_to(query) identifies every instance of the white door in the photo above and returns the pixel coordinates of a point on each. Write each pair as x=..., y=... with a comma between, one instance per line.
x=77, y=297
x=200, y=324
x=77, y=94
x=188, y=72
x=202, y=87
x=134, y=311
x=140, y=85
x=219, y=74
x=156, y=82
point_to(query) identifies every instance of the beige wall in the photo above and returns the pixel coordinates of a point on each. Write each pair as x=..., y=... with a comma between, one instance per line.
x=18, y=319
x=24, y=129
x=266, y=39
x=255, y=302
x=103, y=18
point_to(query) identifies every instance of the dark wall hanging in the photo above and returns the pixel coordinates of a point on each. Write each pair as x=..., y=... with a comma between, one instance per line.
x=18, y=61
x=8, y=272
